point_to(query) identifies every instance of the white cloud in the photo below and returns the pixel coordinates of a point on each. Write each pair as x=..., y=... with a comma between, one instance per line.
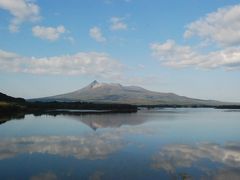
x=221, y=27
x=118, y=24
x=49, y=33
x=96, y=34
x=91, y=64
x=171, y=54
x=21, y=10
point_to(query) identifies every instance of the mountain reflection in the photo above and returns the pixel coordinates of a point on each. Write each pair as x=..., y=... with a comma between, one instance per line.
x=5, y=118
x=96, y=146
x=95, y=121
x=111, y=120
x=172, y=157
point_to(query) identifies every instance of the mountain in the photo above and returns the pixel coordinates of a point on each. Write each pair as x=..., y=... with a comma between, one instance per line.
x=117, y=93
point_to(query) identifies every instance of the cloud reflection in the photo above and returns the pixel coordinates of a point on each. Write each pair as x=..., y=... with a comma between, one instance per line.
x=89, y=146
x=171, y=157
x=92, y=147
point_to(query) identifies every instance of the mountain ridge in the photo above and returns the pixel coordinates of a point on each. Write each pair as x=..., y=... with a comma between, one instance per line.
x=116, y=93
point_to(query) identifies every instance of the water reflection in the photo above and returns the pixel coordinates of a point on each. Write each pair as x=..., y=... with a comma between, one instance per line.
x=89, y=146
x=96, y=146
x=5, y=118
x=45, y=176
x=173, y=157
x=111, y=120
x=231, y=174
x=97, y=175
x=145, y=145
x=94, y=121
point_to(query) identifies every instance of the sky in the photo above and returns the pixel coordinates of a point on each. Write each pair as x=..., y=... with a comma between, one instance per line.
x=189, y=47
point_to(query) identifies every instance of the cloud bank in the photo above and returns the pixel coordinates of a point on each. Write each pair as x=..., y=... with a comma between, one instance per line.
x=218, y=30
x=82, y=63
x=174, y=55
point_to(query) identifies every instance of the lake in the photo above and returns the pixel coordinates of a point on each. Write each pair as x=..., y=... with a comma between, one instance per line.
x=169, y=143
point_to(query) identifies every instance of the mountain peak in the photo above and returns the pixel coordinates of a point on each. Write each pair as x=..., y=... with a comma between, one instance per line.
x=94, y=83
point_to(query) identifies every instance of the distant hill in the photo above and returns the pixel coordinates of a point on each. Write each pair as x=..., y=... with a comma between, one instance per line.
x=6, y=98
x=117, y=93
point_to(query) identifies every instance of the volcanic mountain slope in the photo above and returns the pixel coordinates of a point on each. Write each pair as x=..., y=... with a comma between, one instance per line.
x=117, y=93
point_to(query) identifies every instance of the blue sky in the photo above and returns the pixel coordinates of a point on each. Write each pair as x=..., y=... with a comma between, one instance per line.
x=187, y=47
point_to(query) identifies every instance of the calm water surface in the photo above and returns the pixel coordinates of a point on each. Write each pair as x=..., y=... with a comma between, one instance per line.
x=154, y=144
